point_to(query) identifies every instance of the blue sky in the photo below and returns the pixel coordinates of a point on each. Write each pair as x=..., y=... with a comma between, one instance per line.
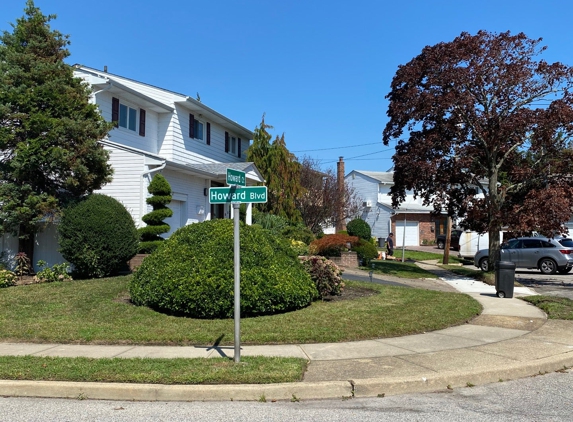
x=319, y=69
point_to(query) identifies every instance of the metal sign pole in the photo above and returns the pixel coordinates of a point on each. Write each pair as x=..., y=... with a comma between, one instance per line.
x=237, y=247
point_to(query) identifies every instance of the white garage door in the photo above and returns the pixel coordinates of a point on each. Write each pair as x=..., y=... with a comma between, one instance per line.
x=412, y=233
x=175, y=220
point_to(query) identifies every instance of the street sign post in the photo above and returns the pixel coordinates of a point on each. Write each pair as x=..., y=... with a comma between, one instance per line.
x=236, y=178
x=246, y=194
x=237, y=195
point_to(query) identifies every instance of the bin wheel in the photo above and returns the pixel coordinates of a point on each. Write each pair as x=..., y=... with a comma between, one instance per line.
x=500, y=294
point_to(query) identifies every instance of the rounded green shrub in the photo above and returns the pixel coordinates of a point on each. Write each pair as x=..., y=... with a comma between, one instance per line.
x=365, y=251
x=359, y=227
x=192, y=273
x=98, y=236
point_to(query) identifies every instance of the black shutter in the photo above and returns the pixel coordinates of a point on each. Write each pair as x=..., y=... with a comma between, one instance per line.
x=208, y=133
x=141, y=122
x=238, y=147
x=115, y=111
x=226, y=141
x=191, y=126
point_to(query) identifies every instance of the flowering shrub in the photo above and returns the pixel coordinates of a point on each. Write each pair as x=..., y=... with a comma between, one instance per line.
x=58, y=272
x=7, y=278
x=326, y=275
x=332, y=244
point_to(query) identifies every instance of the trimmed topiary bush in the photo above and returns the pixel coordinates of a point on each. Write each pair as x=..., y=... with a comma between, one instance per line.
x=98, y=236
x=359, y=227
x=365, y=251
x=150, y=237
x=192, y=273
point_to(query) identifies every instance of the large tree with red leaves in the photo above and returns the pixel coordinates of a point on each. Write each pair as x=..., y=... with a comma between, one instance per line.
x=483, y=129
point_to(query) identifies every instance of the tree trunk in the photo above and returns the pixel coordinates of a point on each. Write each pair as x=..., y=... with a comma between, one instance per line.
x=26, y=245
x=495, y=199
x=447, y=245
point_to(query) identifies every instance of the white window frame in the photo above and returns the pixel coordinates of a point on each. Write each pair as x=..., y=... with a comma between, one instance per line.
x=197, y=122
x=232, y=144
x=126, y=113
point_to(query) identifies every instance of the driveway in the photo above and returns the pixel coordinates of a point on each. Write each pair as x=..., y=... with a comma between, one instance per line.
x=551, y=285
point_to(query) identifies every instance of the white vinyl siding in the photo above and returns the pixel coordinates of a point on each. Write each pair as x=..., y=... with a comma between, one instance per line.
x=44, y=247
x=131, y=138
x=127, y=183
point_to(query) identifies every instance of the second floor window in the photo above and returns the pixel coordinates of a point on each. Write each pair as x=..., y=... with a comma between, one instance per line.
x=127, y=117
x=198, y=129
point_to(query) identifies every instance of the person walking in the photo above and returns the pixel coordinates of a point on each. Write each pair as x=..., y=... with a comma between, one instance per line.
x=390, y=244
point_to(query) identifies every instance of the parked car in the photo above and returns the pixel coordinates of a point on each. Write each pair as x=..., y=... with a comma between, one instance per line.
x=547, y=255
x=454, y=240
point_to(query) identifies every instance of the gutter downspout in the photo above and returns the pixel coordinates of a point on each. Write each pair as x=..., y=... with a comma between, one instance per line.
x=142, y=193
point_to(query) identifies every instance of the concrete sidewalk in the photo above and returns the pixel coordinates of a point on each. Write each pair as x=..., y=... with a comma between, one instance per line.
x=510, y=339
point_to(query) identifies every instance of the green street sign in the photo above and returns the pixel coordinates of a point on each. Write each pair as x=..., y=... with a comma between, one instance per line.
x=236, y=177
x=247, y=194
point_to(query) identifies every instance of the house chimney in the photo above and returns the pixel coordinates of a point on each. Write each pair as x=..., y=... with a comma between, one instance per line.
x=105, y=69
x=340, y=220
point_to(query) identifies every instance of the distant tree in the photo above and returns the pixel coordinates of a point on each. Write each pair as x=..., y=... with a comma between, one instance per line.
x=49, y=131
x=150, y=235
x=280, y=169
x=488, y=130
x=320, y=198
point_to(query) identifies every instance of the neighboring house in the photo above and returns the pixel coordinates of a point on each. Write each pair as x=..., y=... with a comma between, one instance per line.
x=158, y=130
x=412, y=223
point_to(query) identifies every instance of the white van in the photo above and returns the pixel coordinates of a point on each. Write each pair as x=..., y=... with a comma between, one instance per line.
x=471, y=242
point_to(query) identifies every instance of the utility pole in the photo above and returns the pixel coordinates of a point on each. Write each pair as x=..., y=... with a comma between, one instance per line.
x=446, y=259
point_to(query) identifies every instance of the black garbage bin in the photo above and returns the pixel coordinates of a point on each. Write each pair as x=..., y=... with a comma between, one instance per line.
x=504, y=278
x=381, y=242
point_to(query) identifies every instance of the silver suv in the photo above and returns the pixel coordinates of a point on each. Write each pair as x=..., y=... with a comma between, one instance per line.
x=547, y=255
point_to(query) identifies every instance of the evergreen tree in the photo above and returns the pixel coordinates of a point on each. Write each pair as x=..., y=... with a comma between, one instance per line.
x=281, y=171
x=150, y=237
x=49, y=131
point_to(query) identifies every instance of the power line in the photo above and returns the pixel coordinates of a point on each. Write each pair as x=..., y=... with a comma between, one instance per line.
x=328, y=149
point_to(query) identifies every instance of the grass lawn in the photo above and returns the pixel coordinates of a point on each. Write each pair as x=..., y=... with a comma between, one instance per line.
x=408, y=268
x=555, y=307
x=99, y=312
x=251, y=370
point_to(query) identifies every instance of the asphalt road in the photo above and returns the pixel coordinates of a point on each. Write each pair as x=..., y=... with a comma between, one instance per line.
x=541, y=398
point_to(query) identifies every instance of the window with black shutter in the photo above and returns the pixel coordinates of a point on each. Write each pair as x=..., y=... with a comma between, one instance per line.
x=208, y=133
x=238, y=147
x=191, y=126
x=115, y=110
x=141, y=122
x=226, y=141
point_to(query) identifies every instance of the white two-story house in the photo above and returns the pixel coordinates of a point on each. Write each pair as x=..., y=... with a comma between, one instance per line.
x=412, y=223
x=158, y=130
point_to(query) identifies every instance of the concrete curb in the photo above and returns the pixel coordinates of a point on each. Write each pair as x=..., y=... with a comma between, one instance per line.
x=360, y=388
x=458, y=379
x=160, y=392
